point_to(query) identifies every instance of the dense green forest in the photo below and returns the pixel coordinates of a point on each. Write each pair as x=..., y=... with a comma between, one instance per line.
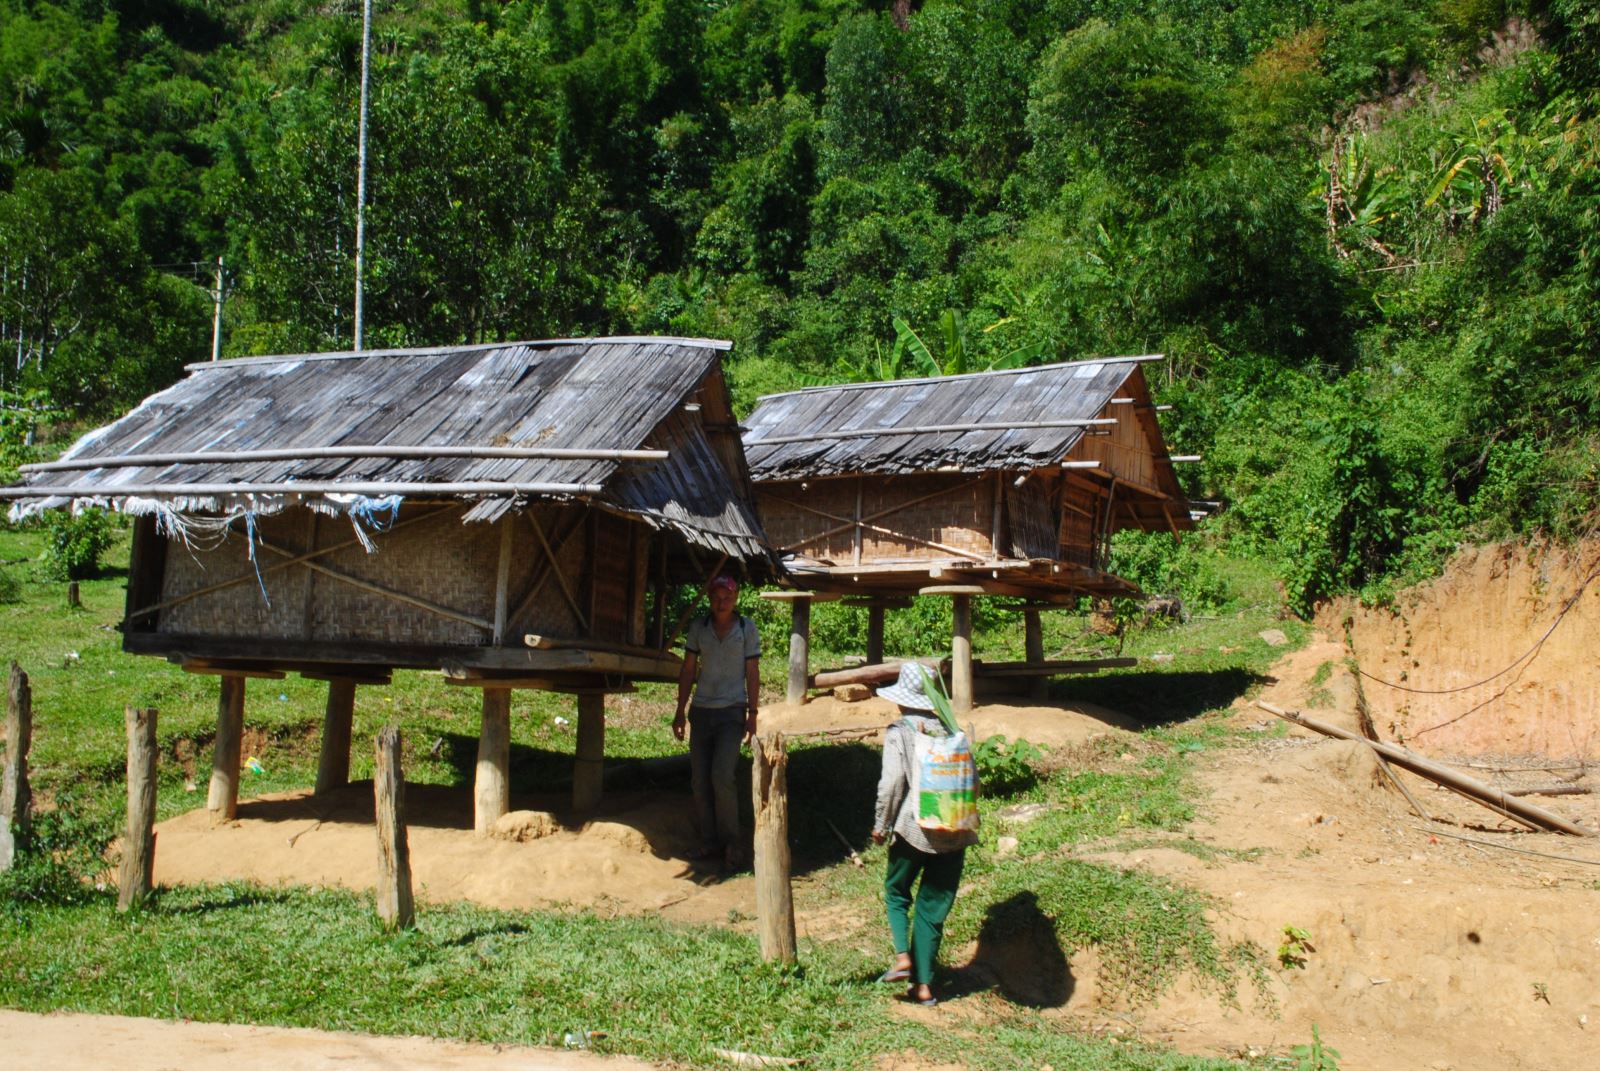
x=1365, y=233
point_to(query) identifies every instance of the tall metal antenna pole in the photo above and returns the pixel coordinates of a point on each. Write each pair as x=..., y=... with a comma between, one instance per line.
x=361, y=166
x=216, y=319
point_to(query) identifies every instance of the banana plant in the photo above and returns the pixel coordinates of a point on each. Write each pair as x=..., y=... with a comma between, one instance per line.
x=1480, y=166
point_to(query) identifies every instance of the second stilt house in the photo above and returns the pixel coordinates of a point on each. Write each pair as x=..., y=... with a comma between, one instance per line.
x=514, y=515
x=1002, y=483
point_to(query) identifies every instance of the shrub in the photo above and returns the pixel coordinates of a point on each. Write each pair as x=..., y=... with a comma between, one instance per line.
x=76, y=543
x=1004, y=769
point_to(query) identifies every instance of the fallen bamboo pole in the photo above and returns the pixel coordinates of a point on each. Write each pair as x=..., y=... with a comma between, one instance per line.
x=1491, y=797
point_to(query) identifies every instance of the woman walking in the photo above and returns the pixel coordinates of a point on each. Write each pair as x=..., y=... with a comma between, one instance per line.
x=916, y=923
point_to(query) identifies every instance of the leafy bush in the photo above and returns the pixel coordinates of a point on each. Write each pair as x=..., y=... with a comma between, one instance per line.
x=1005, y=769
x=76, y=543
x=60, y=859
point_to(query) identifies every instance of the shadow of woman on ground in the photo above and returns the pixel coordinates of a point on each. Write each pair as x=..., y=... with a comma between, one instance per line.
x=1019, y=955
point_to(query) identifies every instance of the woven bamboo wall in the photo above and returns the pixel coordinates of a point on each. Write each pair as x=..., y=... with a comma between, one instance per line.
x=1081, y=504
x=1127, y=452
x=959, y=515
x=437, y=560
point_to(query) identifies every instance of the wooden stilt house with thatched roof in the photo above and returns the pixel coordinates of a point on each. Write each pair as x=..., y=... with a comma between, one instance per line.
x=1001, y=483
x=513, y=514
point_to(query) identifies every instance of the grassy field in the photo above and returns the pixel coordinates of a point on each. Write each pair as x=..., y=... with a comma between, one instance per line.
x=660, y=991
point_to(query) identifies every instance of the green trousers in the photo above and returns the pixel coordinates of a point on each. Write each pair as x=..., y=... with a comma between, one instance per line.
x=917, y=926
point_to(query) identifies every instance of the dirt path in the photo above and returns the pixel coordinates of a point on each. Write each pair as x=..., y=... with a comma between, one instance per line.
x=90, y=1042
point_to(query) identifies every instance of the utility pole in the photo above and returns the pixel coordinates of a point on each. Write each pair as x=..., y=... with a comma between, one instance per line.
x=216, y=318
x=361, y=166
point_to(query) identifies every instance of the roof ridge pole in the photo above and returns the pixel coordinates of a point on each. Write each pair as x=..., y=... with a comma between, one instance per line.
x=361, y=168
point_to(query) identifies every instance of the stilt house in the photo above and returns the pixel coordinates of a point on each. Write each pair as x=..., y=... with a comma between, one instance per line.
x=1002, y=483
x=513, y=514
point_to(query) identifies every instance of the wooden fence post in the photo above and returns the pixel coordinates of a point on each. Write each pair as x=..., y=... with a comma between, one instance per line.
x=492, y=781
x=396, y=908
x=16, y=797
x=774, y=896
x=333, y=762
x=222, y=800
x=74, y=599
x=137, y=875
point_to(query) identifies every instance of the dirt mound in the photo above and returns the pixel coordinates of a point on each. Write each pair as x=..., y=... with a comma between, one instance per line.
x=1496, y=657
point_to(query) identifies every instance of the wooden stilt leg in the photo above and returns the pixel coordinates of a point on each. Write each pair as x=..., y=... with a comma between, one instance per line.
x=222, y=800
x=589, y=763
x=799, y=651
x=492, y=791
x=333, y=764
x=961, y=653
x=1033, y=638
x=138, y=870
x=875, y=635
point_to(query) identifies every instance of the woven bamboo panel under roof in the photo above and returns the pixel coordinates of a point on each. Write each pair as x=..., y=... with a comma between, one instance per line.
x=493, y=424
x=1012, y=420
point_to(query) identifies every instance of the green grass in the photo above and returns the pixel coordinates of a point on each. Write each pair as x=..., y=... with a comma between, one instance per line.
x=667, y=992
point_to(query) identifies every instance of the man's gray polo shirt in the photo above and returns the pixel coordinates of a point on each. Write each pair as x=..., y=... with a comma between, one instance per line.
x=721, y=679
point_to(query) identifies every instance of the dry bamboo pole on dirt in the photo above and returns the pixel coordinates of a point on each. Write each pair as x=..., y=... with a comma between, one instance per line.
x=875, y=673
x=492, y=779
x=16, y=796
x=1551, y=790
x=1491, y=797
x=774, y=895
x=396, y=908
x=137, y=875
x=222, y=799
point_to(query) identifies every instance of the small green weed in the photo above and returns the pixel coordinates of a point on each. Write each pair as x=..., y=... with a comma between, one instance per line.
x=1295, y=948
x=1315, y=1056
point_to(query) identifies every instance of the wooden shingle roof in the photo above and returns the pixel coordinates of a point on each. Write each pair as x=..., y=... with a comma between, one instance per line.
x=494, y=424
x=1005, y=420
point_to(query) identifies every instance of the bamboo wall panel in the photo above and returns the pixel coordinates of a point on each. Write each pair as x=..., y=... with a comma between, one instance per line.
x=959, y=515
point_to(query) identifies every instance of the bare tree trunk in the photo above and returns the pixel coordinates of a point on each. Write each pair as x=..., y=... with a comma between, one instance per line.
x=774, y=896
x=139, y=846
x=396, y=908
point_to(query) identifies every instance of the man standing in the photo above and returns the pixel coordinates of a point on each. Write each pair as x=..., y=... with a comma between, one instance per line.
x=722, y=653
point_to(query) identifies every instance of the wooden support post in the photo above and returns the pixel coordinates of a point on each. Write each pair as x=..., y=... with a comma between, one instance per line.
x=589, y=763
x=16, y=797
x=799, y=651
x=137, y=875
x=74, y=599
x=333, y=764
x=875, y=634
x=223, y=798
x=1033, y=642
x=396, y=908
x=774, y=895
x=492, y=792
x=961, y=653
